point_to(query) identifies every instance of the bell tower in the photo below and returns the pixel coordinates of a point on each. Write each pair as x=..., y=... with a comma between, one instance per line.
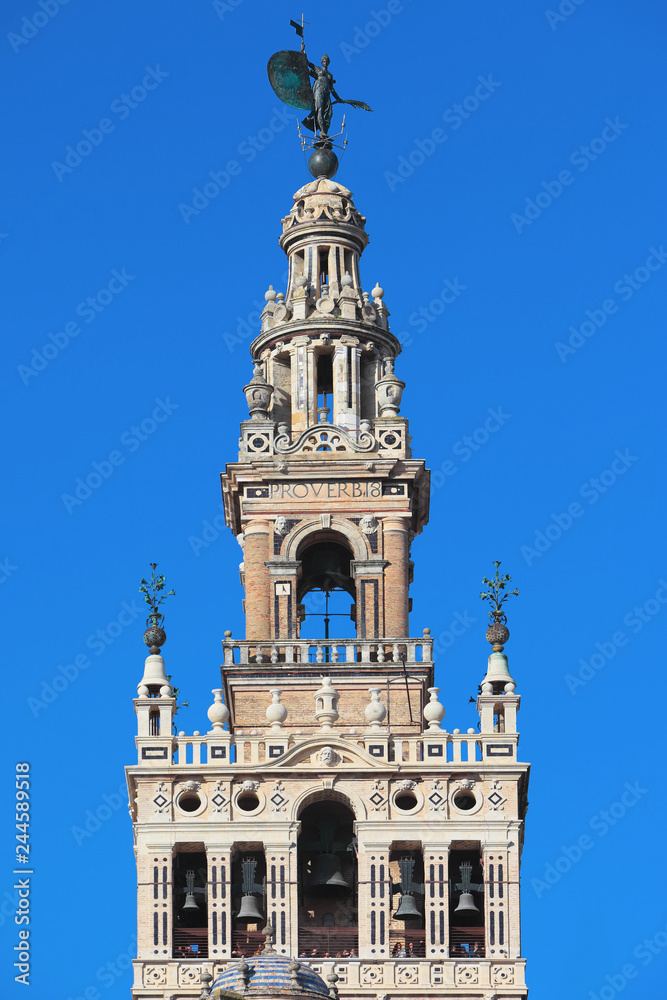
x=327, y=826
x=325, y=490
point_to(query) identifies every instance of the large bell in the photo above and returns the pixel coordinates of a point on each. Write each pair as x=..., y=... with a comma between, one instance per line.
x=326, y=873
x=407, y=908
x=249, y=912
x=190, y=902
x=466, y=904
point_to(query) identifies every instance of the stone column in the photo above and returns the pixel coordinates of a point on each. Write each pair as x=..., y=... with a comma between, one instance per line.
x=501, y=902
x=284, y=576
x=396, y=548
x=154, y=903
x=374, y=901
x=219, y=865
x=369, y=604
x=278, y=895
x=257, y=586
x=436, y=900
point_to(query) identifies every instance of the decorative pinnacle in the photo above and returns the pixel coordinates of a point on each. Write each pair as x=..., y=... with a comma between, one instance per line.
x=269, y=935
x=497, y=633
x=155, y=636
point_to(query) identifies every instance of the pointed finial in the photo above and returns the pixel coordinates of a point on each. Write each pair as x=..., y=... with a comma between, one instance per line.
x=269, y=935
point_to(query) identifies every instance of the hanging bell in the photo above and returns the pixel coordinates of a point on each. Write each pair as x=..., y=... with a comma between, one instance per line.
x=466, y=904
x=326, y=873
x=190, y=902
x=407, y=908
x=249, y=912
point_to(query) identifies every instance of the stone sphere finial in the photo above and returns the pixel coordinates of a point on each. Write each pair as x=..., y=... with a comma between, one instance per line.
x=326, y=704
x=377, y=292
x=323, y=162
x=270, y=295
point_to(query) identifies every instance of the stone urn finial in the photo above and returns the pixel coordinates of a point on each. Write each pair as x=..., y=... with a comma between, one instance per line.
x=389, y=391
x=276, y=713
x=258, y=394
x=375, y=711
x=218, y=713
x=326, y=704
x=434, y=712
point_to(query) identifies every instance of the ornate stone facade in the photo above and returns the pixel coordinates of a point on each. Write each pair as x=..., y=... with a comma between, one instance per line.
x=328, y=798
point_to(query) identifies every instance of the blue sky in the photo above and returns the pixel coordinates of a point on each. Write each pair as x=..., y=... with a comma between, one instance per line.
x=512, y=175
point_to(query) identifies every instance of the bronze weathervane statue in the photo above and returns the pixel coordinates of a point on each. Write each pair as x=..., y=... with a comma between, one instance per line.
x=289, y=75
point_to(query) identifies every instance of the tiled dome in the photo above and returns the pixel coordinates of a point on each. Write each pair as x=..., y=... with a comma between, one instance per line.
x=268, y=975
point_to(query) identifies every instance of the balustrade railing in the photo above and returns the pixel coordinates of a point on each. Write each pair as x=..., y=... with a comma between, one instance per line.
x=409, y=651
x=251, y=748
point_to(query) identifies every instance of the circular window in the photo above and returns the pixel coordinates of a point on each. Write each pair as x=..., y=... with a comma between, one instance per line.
x=189, y=802
x=405, y=800
x=466, y=800
x=248, y=801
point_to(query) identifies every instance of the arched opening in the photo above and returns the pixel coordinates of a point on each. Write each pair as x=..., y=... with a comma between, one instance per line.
x=328, y=920
x=249, y=878
x=326, y=592
x=324, y=387
x=190, y=902
x=466, y=903
x=154, y=722
x=406, y=928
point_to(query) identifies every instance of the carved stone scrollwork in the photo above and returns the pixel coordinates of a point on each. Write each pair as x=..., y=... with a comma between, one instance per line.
x=502, y=974
x=467, y=974
x=371, y=974
x=155, y=975
x=189, y=974
x=407, y=974
x=325, y=437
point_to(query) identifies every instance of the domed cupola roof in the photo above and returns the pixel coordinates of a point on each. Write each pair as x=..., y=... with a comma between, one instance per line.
x=269, y=975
